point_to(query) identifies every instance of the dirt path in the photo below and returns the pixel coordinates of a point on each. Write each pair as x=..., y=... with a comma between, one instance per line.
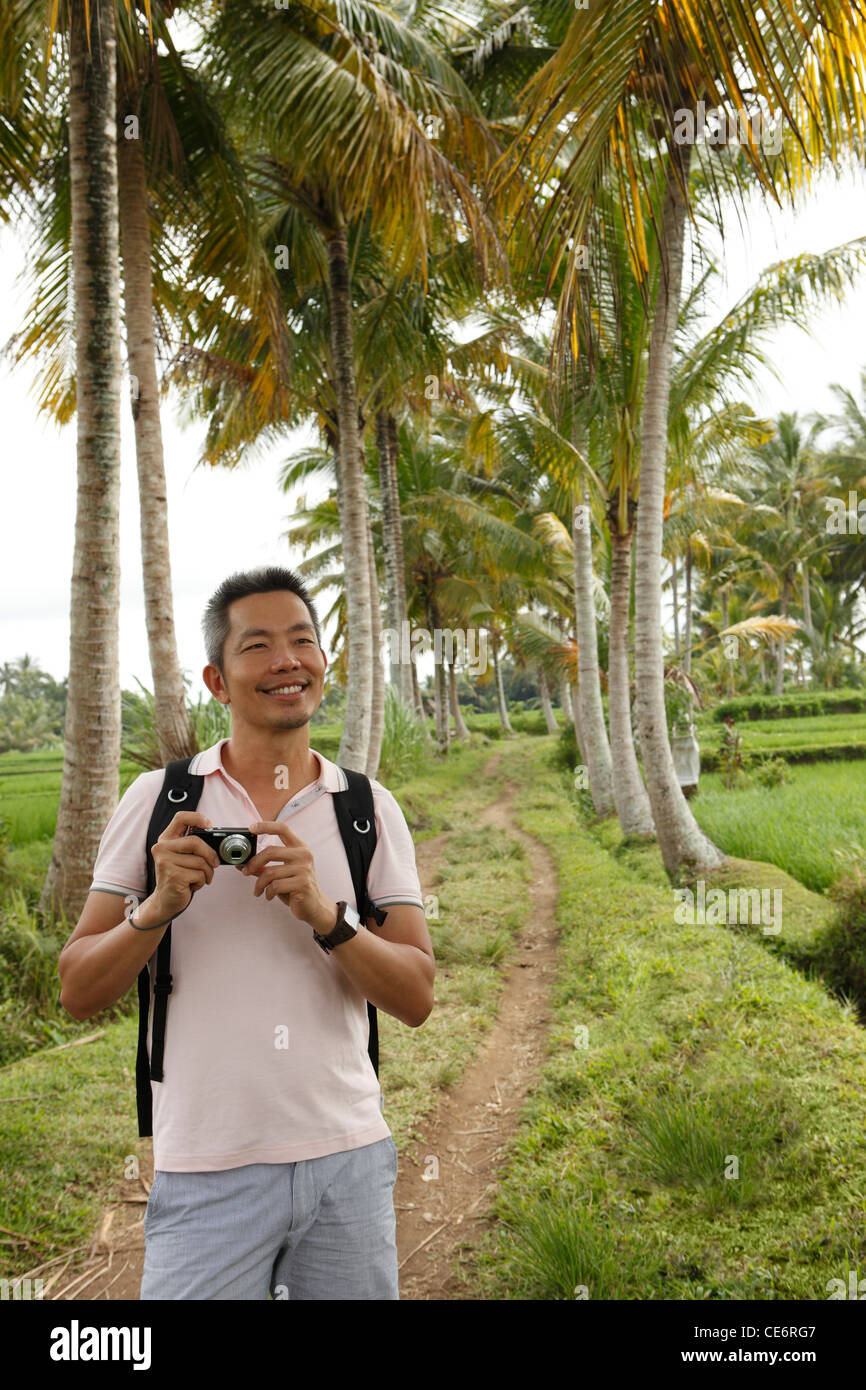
x=440, y=1218
x=440, y=1204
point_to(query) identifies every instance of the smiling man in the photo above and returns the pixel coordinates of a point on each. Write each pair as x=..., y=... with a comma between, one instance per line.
x=274, y=1166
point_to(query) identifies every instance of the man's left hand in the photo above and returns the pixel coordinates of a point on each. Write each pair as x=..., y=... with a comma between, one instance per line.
x=287, y=871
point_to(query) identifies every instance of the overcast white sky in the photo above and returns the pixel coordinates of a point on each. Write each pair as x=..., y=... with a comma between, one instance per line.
x=221, y=521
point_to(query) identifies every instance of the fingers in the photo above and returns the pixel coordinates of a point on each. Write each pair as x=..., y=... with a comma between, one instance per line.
x=186, y=846
x=281, y=878
x=187, y=862
x=277, y=853
x=277, y=827
x=182, y=819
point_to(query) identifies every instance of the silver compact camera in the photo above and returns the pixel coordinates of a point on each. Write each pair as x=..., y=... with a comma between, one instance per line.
x=233, y=846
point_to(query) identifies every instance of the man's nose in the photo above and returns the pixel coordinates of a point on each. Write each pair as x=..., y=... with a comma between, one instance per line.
x=285, y=659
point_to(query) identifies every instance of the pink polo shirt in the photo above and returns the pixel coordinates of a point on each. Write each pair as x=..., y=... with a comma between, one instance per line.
x=266, y=1039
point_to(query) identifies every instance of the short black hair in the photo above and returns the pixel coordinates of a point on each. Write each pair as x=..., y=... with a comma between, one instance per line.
x=267, y=580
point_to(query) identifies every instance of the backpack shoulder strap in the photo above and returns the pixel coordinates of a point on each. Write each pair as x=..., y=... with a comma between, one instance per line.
x=180, y=790
x=357, y=821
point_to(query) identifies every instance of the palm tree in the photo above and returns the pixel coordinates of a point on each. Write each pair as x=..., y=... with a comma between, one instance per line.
x=91, y=751
x=619, y=86
x=168, y=137
x=343, y=140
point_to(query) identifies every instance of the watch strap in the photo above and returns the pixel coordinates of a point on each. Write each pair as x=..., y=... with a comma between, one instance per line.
x=343, y=929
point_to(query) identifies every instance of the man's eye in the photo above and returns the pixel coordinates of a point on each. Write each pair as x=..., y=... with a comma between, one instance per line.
x=253, y=645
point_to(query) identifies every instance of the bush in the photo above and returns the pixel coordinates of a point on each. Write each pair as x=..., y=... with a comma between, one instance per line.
x=840, y=950
x=403, y=743
x=566, y=753
x=211, y=721
x=772, y=772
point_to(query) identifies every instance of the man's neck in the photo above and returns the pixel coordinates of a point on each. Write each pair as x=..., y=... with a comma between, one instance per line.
x=264, y=760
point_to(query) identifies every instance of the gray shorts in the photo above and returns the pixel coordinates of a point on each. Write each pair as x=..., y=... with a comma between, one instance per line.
x=322, y=1228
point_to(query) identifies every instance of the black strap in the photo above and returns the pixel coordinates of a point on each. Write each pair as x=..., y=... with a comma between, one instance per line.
x=357, y=821
x=180, y=791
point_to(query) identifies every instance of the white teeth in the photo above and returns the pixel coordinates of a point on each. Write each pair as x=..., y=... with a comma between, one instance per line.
x=286, y=690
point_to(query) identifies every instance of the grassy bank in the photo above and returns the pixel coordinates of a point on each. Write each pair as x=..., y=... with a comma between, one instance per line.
x=679, y=1057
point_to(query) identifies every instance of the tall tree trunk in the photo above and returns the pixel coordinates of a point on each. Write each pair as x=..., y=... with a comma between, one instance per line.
x=729, y=667
x=173, y=725
x=392, y=541
x=500, y=689
x=687, y=621
x=355, y=742
x=676, y=608
x=91, y=750
x=632, y=802
x=780, y=646
x=680, y=837
x=440, y=695
x=377, y=721
x=544, y=688
x=807, y=608
x=418, y=702
x=596, y=747
x=459, y=721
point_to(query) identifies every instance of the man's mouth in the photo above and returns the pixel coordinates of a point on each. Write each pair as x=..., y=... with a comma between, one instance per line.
x=286, y=692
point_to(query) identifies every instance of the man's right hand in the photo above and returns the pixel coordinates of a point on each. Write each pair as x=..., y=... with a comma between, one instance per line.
x=183, y=862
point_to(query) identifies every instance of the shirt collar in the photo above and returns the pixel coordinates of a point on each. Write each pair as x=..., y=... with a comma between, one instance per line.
x=331, y=777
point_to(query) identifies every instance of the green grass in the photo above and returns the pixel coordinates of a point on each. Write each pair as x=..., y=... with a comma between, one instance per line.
x=703, y=1047
x=796, y=826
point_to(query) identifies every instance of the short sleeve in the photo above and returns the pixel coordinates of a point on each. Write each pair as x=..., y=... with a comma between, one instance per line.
x=121, y=866
x=393, y=874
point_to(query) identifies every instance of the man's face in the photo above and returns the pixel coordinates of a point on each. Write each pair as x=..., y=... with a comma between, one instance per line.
x=271, y=649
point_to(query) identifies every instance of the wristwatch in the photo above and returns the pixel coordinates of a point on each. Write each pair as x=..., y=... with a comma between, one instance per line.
x=348, y=923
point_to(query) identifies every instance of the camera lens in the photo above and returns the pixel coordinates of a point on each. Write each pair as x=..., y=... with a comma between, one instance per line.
x=235, y=849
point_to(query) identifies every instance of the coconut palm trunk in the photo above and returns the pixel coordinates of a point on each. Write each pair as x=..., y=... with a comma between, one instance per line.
x=681, y=840
x=355, y=741
x=687, y=616
x=630, y=795
x=392, y=542
x=459, y=722
x=377, y=720
x=91, y=750
x=675, y=606
x=418, y=703
x=173, y=725
x=807, y=609
x=440, y=694
x=596, y=747
x=502, y=703
x=546, y=702
x=780, y=647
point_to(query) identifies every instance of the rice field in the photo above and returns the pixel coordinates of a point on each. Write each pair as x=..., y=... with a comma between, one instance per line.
x=799, y=826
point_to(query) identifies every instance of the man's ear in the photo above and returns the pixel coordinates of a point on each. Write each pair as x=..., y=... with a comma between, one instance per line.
x=212, y=677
